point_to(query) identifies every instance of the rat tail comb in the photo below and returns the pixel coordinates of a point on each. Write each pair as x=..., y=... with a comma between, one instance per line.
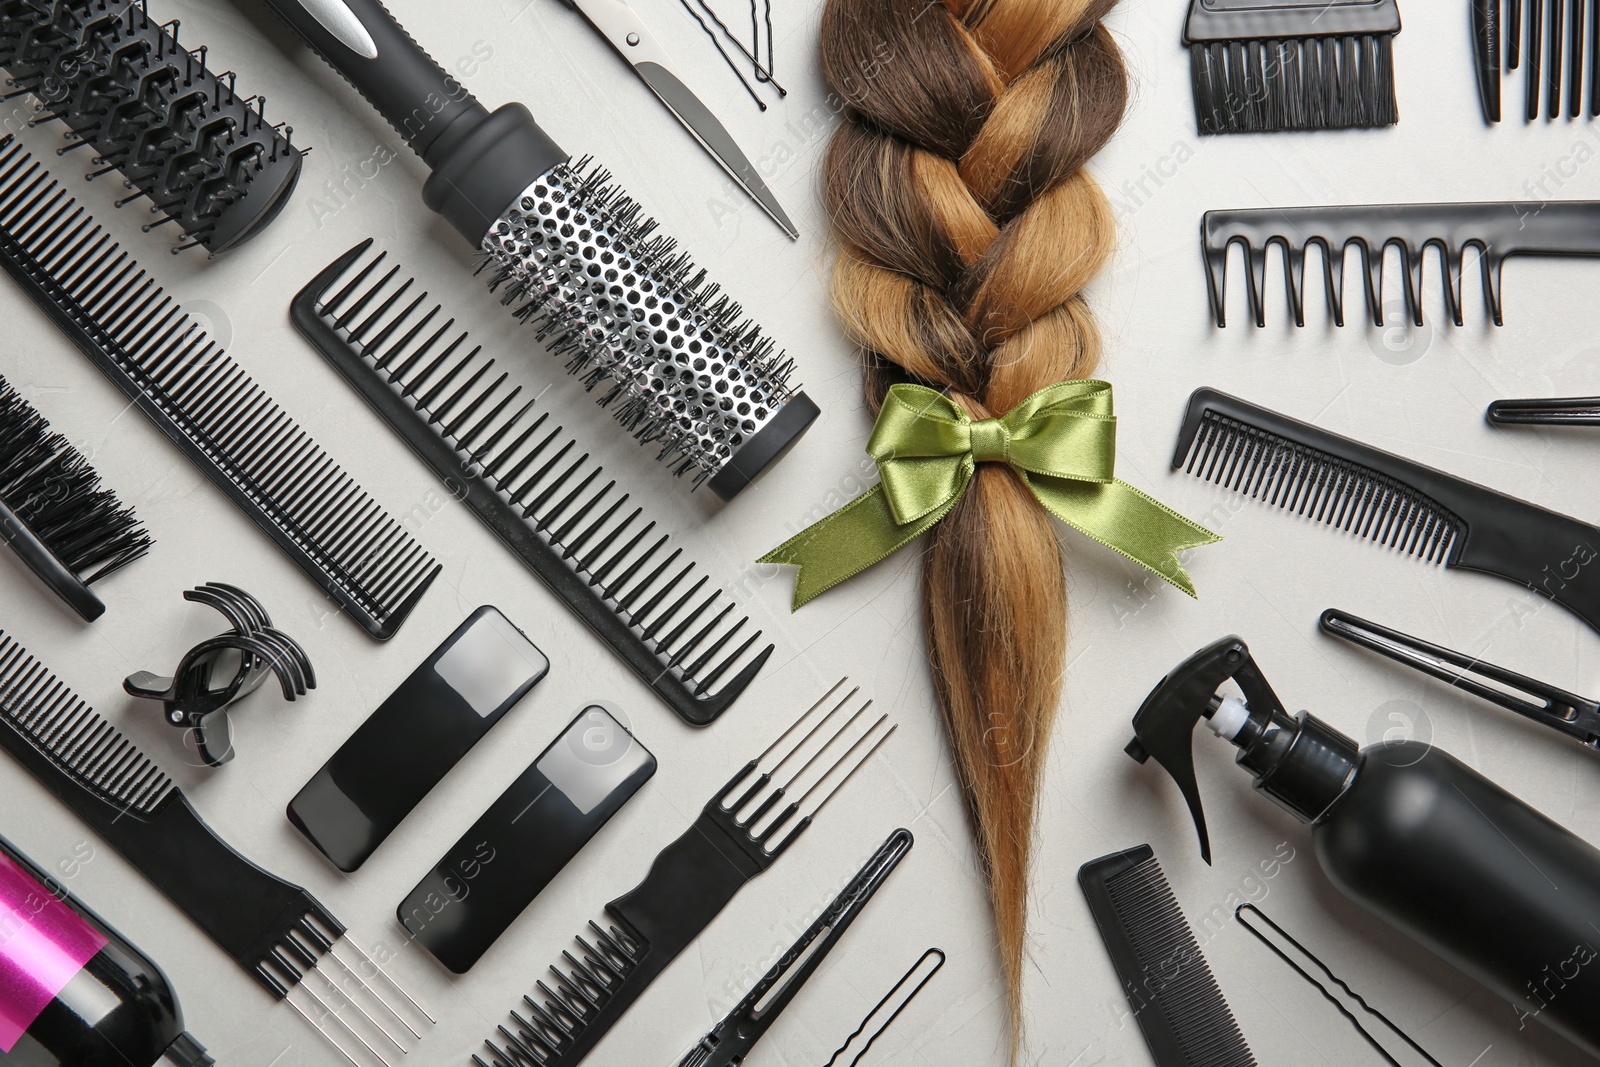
x=180, y=134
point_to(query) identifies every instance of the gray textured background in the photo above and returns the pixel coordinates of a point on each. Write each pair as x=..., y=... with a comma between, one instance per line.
x=1419, y=393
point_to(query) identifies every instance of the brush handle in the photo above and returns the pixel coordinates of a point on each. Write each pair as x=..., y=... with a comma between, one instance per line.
x=37, y=555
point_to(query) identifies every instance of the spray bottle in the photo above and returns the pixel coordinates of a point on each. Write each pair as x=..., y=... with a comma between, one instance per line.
x=1410, y=833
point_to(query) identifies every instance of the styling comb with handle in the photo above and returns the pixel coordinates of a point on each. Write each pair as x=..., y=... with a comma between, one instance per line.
x=531, y=485
x=1384, y=498
x=1181, y=1012
x=739, y=834
x=276, y=931
x=1497, y=230
x=216, y=415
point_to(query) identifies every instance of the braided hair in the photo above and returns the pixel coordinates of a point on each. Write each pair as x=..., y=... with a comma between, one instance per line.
x=967, y=230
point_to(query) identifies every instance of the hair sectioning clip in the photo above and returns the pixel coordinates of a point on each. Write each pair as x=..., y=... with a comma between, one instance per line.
x=217, y=672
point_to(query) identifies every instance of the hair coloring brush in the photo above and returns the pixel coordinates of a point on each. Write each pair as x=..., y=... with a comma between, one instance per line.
x=683, y=368
x=53, y=512
x=146, y=106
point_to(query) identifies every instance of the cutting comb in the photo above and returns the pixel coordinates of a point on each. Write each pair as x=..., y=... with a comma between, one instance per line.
x=1392, y=501
x=276, y=931
x=1497, y=230
x=532, y=485
x=739, y=834
x=219, y=418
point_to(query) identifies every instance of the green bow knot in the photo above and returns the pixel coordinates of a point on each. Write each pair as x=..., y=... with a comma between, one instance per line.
x=1061, y=440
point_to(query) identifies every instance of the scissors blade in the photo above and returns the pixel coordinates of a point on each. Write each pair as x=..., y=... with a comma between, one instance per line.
x=621, y=25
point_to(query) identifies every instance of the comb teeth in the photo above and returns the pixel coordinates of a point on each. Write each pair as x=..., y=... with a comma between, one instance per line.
x=212, y=410
x=181, y=135
x=1325, y=488
x=1560, y=40
x=63, y=727
x=683, y=368
x=469, y=417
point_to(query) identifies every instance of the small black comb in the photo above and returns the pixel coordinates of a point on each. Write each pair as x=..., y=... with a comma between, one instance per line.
x=1497, y=230
x=276, y=931
x=1184, y=1018
x=1384, y=498
x=532, y=485
x=248, y=446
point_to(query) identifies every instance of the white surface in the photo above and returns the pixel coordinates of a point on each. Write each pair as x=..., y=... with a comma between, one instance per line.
x=1267, y=581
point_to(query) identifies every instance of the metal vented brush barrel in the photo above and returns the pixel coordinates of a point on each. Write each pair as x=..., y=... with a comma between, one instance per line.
x=675, y=360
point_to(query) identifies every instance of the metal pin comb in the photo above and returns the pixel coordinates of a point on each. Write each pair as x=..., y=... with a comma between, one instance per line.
x=217, y=416
x=276, y=931
x=739, y=834
x=467, y=417
x=1390, y=500
x=1577, y=717
x=1496, y=230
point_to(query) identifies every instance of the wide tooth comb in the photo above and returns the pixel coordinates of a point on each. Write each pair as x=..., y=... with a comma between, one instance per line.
x=1390, y=500
x=1496, y=230
x=206, y=405
x=739, y=834
x=520, y=476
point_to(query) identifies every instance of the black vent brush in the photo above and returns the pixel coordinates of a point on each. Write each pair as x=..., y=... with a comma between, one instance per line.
x=53, y=511
x=1262, y=66
x=677, y=363
x=1497, y=230
x=1384, y=498
x=276, y=931
x=142, y=104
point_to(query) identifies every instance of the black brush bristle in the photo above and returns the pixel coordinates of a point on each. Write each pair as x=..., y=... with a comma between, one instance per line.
x=1324, y=488
x=53, y=501
x=145, y=106
x=1260, y=69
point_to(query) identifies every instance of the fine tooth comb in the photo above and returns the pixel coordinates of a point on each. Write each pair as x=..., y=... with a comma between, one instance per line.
x=532, y=486
x=181, y=135
x=54, y=513
x=1384, y=498
x=141, y=339
x=1497, y=230
x=276, y=931
x=1577, y=717
x=740, y=833
x=1261, y=66
x=1184, y=1018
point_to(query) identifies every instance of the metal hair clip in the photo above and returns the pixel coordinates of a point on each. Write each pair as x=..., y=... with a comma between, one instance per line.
x=215, y=673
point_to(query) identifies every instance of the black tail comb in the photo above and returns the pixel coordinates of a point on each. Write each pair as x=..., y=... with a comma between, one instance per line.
x=146, y=106
x=1497, y=230
x=276, y=931
x=1260, y=67
x=740, y=833
x=54, y=513
x=1184, y=1018
x=531, y=484
x=1384, y=498
x=212, y=410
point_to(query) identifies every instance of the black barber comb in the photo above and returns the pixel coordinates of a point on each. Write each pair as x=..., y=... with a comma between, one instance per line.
x=1497, y=230
x=142, y=104
x=1392, y=501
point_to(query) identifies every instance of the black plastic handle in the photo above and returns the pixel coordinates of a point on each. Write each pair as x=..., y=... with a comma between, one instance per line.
x=363, y=42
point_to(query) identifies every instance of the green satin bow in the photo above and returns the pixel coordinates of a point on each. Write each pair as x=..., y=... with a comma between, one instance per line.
x=1061, y=440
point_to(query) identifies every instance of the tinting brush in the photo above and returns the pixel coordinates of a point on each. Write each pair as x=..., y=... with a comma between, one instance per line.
x=1262, y=66
x=674, y=358
x=54, y=513
x=142, y=104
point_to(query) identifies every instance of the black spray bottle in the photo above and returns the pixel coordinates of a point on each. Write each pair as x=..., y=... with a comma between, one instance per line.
x=1409, y=832
x=73, y=993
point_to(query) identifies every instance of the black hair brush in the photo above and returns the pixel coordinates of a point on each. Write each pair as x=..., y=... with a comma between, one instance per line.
x=681, y=366
x=148, y=107
x=54, y=513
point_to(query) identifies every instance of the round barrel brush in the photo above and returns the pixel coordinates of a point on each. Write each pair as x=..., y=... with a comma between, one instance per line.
x=680, y=365
x=54, y=513
x=147, y=107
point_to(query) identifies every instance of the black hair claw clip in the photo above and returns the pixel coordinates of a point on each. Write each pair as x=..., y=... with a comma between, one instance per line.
x=217, y=672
